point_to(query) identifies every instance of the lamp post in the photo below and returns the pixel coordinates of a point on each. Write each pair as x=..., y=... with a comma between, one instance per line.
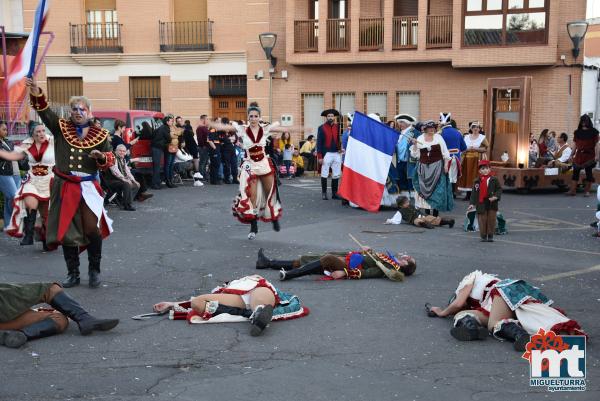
x=577, y=31
x=267, y=42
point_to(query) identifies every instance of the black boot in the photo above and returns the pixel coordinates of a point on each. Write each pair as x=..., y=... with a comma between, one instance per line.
x=94, y=251
x=215, y=308
x=276, y=226
x=490, y=238
x=324, y=188
x=260, y=319
x=71, y=255
x=468, y=329
x=170, y=183
x=253, y=229
x=28, y=226
x=16, y=338
x=334, y=188
x=447, y=222
x=262, y=262
x=66, y=305
x=309, y=268
x=512, y=331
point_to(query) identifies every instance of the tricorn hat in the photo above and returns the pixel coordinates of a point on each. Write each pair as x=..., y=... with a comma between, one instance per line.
x=330, y=111
x=407, y=118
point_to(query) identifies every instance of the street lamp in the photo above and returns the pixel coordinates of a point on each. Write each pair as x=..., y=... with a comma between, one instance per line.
x=577, y=31
x=267, y=42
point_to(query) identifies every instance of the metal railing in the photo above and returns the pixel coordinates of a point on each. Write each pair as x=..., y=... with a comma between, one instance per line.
x=370, y=33
x=96, y=38
x=405, y=31
x=186, y=36
x=338, y=35
x=439, y=31
x=306, y=35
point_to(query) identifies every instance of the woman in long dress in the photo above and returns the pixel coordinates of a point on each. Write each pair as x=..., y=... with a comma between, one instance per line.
x=34, y=193
x=433, y=190
x=477, y=146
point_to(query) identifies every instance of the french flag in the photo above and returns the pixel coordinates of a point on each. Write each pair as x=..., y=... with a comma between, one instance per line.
x=23, y=64
x=367, y=162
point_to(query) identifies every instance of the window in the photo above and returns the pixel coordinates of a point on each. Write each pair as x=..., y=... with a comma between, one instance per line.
x=60, y=90
x=102, y=24
x=505, y=22
x=312, y=106
x=408, y=103
x=344, y=102
x=144, y=93
x=376, y=102
x=227, y=85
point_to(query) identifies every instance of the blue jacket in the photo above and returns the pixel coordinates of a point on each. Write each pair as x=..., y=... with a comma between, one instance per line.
x=454, y=141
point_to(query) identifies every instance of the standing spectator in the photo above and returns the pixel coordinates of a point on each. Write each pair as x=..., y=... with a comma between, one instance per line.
x=146, y=131
x=228, y=156
x=203, y=147
x=191, y=144
x=9, y=182
x=585, y=139
x=485, y=196
x=287, y=159
x=298, y=162
x=214, y=152
x=120, y=180
x=160, y=140
x=308, y=151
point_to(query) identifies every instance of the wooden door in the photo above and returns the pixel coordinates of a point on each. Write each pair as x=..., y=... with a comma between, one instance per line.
x=507, y=123
x=232, y=107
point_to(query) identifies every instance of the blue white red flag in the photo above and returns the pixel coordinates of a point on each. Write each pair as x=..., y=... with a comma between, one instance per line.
x=367, y=162
x=24, y=63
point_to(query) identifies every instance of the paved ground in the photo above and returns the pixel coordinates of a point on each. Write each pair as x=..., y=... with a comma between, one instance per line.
x=364, y=340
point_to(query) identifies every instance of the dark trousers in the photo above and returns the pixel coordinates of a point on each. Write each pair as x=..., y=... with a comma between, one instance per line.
x=487, y=223
x=230, y=167
x=203, y=156
x=125, y=189
x=215, y=162
x=287, y=164
x=588, y=167
x=157, y=155
x=299, y=171
x=141, y=178
x=169, y=165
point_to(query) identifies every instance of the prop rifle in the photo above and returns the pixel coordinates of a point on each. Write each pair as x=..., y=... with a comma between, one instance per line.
x=392, y=274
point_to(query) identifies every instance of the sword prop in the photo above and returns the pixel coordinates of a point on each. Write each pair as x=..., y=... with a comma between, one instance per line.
x=392, y=274
x=146, y=316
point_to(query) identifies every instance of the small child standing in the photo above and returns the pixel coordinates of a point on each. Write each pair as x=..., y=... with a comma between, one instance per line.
x=485, y=196
x=411, y=215
x=288, y=153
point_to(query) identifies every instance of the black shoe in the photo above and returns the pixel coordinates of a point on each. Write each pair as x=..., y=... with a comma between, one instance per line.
x=468, y=329
x=514, y=332
x=260, y=319
x=28, y=227
x=324, y=196
x=157, y=187
x=12, y=338
x=490, y=238
x=129, y=208
x=170, y=184
x=334, y=196
x=253, y=230
x=483, y=240
x=276, y=226
x=451, y=223
x=71, y=281
x=87, y=323
x=94, y=279
x=71, y=255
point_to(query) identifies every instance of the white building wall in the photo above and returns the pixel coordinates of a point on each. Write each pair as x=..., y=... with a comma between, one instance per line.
x=590, y=93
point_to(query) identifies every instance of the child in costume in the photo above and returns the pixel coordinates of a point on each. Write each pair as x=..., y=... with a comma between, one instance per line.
x=485, y=196
x=510, y=309
x=411, y=215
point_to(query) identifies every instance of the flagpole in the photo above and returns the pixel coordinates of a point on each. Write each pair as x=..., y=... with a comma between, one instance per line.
x=36, y=38
x=5, y=61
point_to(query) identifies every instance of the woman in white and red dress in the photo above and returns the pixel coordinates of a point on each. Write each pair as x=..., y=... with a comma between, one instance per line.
x=510, y=309
x=258, y=197
x=34, y=193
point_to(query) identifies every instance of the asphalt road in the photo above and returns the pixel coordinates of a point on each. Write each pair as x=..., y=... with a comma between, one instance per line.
x=364, y=340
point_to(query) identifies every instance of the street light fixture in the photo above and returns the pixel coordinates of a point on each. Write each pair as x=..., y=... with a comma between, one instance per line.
x=577, y=31
x=268, y=41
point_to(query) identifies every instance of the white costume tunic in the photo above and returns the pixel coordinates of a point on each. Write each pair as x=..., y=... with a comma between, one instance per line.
x=36, y=184
x=256, y=163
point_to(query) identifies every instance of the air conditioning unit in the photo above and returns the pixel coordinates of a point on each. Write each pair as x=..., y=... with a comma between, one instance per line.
x=287, y=120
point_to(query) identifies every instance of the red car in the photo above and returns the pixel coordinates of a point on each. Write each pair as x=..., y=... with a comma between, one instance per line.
x=141, y=152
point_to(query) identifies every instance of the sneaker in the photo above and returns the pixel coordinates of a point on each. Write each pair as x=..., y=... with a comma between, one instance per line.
x=251, y=235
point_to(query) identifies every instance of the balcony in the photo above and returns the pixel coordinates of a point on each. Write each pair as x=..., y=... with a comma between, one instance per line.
x=338, y=35
x=306, y=36
x=439, y=31
x=96, y=38
x=186, y=36
x=405, y=31
x=370, y=34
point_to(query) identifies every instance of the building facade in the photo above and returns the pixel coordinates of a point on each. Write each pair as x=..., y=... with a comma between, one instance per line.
x=496, y=61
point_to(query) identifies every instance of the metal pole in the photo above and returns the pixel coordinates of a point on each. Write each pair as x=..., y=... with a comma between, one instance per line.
x=271, y=95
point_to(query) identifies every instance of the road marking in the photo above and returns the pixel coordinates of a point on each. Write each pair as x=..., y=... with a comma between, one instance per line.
x=550, y=219
x=547, y=247
x=568, y=274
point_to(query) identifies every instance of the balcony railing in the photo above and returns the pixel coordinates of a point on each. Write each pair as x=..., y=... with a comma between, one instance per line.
x=186, y=36
x=306, y=36
x=338, y=35
x=371, y=33
x=96, y=38
x=405, y=32
x=439, y=31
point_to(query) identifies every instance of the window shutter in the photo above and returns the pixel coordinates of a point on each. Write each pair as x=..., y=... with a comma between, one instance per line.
x=312, y=107
x=408, y=103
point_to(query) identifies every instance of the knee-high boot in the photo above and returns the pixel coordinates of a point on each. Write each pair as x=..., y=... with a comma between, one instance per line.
x=309, y=268
x=28, y=226
x=87, y=323
x=71, y=255
x=334, y=188
x=94, y=251
x=262, y=262
x=511, y=330
x=324, y=188
x=16, y=338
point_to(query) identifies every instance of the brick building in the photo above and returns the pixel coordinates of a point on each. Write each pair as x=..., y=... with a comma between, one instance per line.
x=498, y=61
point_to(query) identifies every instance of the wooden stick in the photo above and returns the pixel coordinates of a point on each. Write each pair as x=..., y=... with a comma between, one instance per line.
x=392, y=274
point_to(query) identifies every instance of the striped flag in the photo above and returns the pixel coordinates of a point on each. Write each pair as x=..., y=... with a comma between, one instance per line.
x=24, y=62
x=367, y=162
